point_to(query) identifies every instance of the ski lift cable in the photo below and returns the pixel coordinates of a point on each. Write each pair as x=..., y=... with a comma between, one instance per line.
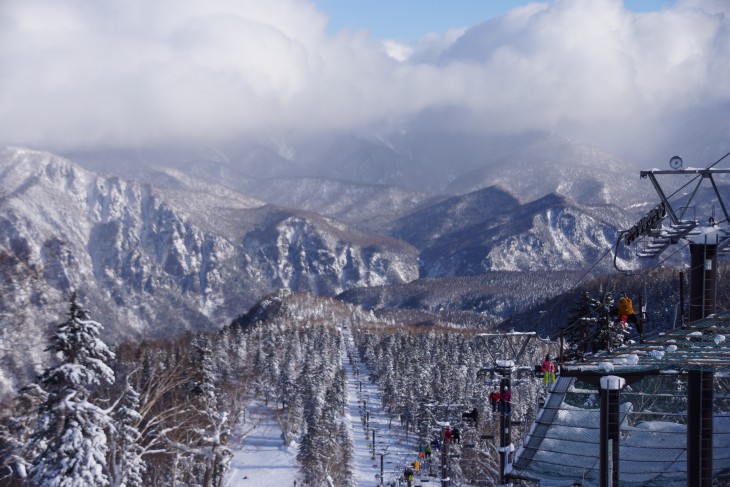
x=591, y=268
x=575, y=284
x=718, y=161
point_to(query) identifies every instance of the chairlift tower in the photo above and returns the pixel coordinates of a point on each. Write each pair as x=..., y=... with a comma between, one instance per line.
x=507, y=351
x=663, y=227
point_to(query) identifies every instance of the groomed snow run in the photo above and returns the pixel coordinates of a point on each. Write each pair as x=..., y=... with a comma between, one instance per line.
x=262, y=460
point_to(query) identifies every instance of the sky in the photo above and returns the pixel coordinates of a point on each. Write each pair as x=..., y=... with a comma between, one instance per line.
x=410, y=20
x=77, y=74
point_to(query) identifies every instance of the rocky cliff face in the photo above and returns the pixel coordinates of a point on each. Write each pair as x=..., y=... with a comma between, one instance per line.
x=150, y=260
x=167, y=251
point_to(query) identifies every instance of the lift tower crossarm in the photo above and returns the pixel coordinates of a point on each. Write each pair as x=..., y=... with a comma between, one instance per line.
x=719, y=198
x=661, y=194
x=704, y=172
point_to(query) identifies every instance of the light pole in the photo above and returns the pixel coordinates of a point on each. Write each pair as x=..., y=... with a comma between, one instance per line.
x=373, y=443
x=381, y=468
x=444, y=458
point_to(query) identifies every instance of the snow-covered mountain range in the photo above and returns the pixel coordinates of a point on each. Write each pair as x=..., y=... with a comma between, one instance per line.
x=160, y=242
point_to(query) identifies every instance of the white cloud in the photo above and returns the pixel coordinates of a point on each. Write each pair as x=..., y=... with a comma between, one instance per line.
x=81, y=73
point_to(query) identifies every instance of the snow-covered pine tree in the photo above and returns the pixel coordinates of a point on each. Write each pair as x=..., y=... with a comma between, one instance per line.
x=314, y=452
x=213, y=425
x=611, y=334
x=126, y=464
x=582, y=323
x=15, y=433
x=70, y=435
x=343, y=473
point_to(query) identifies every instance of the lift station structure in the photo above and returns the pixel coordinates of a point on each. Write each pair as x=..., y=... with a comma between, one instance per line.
x=700, y=345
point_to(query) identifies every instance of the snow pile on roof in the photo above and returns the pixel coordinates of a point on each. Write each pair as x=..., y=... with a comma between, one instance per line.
x=657, y=354
x=606, y=366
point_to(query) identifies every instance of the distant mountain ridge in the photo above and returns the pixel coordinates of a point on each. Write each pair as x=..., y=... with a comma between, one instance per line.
x=164, y=242
x=156, y=261
x=171, y=230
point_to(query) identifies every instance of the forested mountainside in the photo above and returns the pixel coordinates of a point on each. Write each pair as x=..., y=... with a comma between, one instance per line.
x=159, y=260
x=658, y=289
x=535, y=301
x=546, y=234
x=369, y=207
x=163, y=412
x=169, y=252
x=484, y=300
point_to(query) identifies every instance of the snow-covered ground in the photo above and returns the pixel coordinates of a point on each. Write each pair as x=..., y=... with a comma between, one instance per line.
x=366, y=415
x=262, y=460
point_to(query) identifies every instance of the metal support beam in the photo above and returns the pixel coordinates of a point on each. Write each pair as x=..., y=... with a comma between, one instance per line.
x=662, y=196
x=699, y=428
x=703, y=271
x=610, y=418
x=444, y=459
x=719, y=198
x=505, y=426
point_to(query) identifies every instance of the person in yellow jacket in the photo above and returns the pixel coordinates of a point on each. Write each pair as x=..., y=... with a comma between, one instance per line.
x=626, y=308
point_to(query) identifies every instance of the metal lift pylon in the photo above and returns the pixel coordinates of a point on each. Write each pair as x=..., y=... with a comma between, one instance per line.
x=705, y=243
x=507, y=351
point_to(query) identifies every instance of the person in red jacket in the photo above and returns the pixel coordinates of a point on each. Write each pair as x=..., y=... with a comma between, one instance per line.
x=548, y=370
x=447, y=435
x=507, y=397
x=494, y=399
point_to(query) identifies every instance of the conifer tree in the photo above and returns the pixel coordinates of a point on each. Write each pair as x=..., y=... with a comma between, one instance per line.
x=610, y=333
x=16, y=431
x=70, y=435
x=213, y=422
x=127, y=466
x=581, y=326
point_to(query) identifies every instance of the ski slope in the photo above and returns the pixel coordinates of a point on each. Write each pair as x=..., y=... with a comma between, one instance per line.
x=393, y=444
x=262, y=460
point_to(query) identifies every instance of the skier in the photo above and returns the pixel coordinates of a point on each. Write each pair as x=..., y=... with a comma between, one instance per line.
x=626, y=308
x=447, y=435
x=475, y=416
x=507, y=396
x=494, y=399
x=457, y=435
x=408, y=474
x=548, y=370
